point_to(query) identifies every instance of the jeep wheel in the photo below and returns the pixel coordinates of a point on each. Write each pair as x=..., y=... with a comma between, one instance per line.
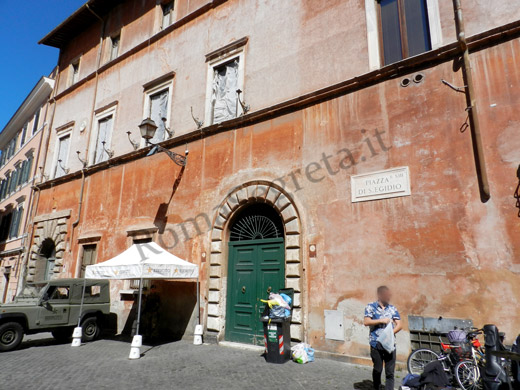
x=11, y=335
x=62, y=335
x=90, y=328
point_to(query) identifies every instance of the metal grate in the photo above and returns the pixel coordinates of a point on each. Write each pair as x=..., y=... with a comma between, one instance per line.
x=254, y=227
x=428, y=340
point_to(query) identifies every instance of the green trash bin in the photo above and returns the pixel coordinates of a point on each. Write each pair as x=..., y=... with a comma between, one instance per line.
x=277, y=334
x=277, y=340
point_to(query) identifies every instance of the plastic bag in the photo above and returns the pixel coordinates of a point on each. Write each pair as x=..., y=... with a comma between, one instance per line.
x=279, y=305
x=302, y=353
x=280, y=300
x=287, y=299
x=277, y=312
x=387, y=338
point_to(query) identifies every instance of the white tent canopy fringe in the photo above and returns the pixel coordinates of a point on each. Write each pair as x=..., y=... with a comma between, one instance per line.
x=146, y=261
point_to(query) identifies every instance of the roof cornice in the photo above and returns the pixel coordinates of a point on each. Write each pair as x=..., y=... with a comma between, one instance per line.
x=36, y=98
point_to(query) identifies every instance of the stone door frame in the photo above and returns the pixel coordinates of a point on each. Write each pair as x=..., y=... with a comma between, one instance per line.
x=49, y=226
x=249, y=193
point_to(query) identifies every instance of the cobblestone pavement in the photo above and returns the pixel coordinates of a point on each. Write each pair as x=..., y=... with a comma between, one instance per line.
x=42, y=363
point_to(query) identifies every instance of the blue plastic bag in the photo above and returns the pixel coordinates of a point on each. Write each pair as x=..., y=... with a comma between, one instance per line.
x=287, y=299
x=310, y=353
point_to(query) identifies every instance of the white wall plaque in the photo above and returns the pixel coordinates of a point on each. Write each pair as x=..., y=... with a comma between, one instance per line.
x=389, y=183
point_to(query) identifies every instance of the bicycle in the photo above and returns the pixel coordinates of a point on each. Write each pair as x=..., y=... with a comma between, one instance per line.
x=468, y=371
x=459, y=358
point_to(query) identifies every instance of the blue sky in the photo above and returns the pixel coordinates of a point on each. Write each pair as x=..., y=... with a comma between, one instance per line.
x=22, y=25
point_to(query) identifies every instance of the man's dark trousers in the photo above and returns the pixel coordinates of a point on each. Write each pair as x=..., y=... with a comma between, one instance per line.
x=379, y=357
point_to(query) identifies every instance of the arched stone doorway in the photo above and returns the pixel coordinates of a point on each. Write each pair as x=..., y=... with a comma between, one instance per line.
x=256, y=266
x=236, y=203
x=51, y=227
x=47, y=259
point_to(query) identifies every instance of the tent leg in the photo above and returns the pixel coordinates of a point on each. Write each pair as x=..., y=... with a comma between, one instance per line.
x=137, y=341
x=81, y=302
x=139, y=306
x=78, y=332
x=198, y=301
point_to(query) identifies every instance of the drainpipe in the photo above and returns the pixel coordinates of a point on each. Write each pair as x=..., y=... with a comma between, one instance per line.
x=98, y=62
x=80, y=205
x=476, y=139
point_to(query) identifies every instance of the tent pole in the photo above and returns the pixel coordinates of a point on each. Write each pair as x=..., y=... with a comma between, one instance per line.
x=81, y=303
x=198, y=302
x=139, y=306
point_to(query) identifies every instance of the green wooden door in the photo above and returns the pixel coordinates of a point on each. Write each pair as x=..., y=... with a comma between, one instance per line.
x=255, y=267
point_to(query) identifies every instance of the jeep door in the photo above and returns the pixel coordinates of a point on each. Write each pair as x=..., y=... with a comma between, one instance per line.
x=55, y=310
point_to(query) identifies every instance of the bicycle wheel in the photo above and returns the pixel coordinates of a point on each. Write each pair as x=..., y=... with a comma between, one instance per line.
x=467, y=374
x=419, y=358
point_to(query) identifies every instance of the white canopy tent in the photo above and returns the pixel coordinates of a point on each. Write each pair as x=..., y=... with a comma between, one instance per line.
x=145, y=261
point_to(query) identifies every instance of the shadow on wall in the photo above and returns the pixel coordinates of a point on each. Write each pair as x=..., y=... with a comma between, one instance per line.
x=167, y=315
x=161, y=218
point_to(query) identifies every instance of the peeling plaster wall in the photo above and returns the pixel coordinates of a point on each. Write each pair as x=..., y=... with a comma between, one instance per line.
x=440, y=249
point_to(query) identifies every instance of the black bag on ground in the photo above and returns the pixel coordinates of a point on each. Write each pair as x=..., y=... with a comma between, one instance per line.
x=434, y=376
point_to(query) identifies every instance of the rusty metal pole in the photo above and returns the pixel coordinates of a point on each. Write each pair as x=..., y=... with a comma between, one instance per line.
x=476, y=140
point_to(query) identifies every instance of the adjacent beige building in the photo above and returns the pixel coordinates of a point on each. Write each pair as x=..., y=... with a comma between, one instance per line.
x=20, y=145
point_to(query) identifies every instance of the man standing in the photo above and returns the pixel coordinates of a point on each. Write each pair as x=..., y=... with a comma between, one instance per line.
x=151, y=314
x=377, y=315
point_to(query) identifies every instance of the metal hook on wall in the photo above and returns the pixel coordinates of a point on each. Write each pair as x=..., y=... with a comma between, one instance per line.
x=107, y=151
x=135, y=145
x=42, y=174
x=245, y=107
x=66, y=170
x=83, y=162
x=166, y=128
x=197, y=121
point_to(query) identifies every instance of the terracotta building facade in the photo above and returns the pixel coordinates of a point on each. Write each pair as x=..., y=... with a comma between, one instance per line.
x=324, y=156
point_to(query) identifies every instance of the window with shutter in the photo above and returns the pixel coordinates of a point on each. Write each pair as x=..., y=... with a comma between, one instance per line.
x=5, y=225
x=20, y=171
x=28, y=167
x=62, y=155
x=114, y=47
x=158, y=112
x=224, y=92
x=7, y=184
x=14, y=179
x=104, y=135
x=167, y=10
x=15, y=224
x=405, y=30
x=74, y=72
x=88, y=257
x=3, y=191
x=23, y=135
x=36, y=121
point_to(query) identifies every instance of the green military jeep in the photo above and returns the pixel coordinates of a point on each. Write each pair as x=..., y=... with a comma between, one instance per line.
x=54, y=307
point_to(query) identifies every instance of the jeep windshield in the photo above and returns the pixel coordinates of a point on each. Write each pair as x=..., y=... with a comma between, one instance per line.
x=30, y=291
